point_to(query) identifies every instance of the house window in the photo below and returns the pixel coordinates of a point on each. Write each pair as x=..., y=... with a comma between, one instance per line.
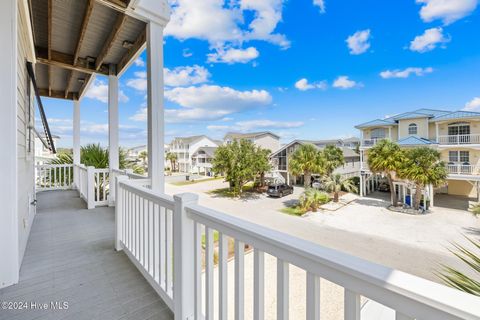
x=412, y=128
x=459, y=156
x=459, y=128
x=378, y=133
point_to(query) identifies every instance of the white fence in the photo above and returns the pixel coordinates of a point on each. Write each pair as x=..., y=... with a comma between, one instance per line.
x=459, y=139
x=157, y=231
x=53, y=177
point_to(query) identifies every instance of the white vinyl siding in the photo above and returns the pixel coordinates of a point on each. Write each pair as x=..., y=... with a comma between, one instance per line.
x=25, y=160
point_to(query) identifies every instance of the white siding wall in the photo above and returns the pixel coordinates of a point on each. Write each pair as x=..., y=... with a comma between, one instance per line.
x=268, y=142
x=25, y=158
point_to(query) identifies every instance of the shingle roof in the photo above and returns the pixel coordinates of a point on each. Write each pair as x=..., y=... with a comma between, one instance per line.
x=412, y=115
x=457, y=115
x=414, y=141
x=188, y=139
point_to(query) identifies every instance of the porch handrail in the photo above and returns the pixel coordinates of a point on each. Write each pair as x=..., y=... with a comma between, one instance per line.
x=456, y=139
x=53, y=177
x=463, y=169
x=410, y=296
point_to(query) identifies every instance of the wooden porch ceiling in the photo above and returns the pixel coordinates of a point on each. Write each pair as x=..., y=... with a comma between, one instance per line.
x=75, y=39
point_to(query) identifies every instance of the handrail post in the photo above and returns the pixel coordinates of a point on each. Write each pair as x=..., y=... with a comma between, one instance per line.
x=112, y=182
x=183, y=257
x=118, y=211
x=90, y=187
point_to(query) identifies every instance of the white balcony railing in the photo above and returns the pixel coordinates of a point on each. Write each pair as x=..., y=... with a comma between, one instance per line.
x=367, y=143
x=459, y=139
x=158, y=232
x=53, y=177
x=462, y=169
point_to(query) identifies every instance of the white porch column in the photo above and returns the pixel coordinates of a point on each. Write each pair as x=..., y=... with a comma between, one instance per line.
x=431, y=194
x=155, y=108
x=76, y=140
x=390, y=133
x=112, y=120
x=9, y=224
x=361, y=185
x=437, y=132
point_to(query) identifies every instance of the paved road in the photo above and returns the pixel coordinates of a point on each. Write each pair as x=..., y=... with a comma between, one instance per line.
x=416, y=260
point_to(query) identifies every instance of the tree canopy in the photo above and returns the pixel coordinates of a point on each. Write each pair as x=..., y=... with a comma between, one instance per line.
x=240, y=162
x=306, y=160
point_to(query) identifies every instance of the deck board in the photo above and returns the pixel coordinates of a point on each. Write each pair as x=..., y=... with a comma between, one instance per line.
x=70, y=257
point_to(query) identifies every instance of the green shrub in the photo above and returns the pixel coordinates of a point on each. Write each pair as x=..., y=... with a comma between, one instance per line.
x=312, y=199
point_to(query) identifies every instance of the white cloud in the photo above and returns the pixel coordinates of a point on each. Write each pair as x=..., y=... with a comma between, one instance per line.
x=186, y=76
x=343, y=82
x=358, y=42
x=179, y=76
x=220, y=22
x=473, y=105
x=98, y=90
x=232, y=55
x=304, y=85
x=250, y=125
x=320, y=4
x=139, y=62
x=397, y=73
x=208, y=102
x=446, y=10
x=429, y=40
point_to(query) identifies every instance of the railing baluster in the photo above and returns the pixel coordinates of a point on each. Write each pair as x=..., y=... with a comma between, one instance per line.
x=282, y=290
x=351, y=305
x=198, y=270
x=223, y=276
x=162, y=247
x=313, y=297
x=239, y=280
x=156, y=243
x=258, y=285
x=149, y=241
x=168, y=251
x=209, y=314
x=142, y=231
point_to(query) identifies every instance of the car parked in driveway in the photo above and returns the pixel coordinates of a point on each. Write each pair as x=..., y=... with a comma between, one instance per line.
x=384, y=187
x=279, y=190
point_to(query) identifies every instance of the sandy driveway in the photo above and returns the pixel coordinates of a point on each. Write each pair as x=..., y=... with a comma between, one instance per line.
x=414, y=244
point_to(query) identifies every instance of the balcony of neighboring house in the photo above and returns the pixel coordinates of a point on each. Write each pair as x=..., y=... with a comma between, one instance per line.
x=459, y=139
x=457, y=133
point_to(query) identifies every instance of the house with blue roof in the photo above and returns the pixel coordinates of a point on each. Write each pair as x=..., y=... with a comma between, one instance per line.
x=456, y=134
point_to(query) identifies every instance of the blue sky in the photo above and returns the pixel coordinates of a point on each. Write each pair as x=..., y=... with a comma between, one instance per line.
x=306, y=69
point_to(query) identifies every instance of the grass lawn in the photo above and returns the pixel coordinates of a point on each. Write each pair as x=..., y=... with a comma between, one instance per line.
x=228, y=193
x=293, y=211
x=185, y=183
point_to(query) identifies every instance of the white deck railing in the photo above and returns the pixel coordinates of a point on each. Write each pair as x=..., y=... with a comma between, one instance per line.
x=53, y=177
x=366, y=143
x=158, y=232
x=462, y=169
x=459, y=139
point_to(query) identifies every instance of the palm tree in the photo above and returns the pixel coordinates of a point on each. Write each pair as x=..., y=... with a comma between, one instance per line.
x=143, y=156
x=307, y=159
x=333, y=158
x=312, y=199
x=172, y=157
x=459, y=280
x=336, y=183
x=423, y=167
x=386, y=158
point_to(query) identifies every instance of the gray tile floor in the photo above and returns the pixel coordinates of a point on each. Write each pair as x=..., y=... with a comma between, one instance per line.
x=70, y=258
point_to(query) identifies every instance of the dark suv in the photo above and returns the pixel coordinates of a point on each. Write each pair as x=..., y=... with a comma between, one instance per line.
x=279, y=190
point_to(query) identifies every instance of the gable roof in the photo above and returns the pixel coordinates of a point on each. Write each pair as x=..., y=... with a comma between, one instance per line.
x=414, y=141
x=347, y=152
x=457, y=115
x=377, y=122
x=189, y=139
x=209, y=151
x=249, y=135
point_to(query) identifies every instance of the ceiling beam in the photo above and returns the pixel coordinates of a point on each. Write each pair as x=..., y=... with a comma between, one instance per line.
x=137, y=45
x=65, y=60
x=119, y=5
x=121, y=18
x=81, y=36
x=50, y=18
x=57, y=94
x=84, y=85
